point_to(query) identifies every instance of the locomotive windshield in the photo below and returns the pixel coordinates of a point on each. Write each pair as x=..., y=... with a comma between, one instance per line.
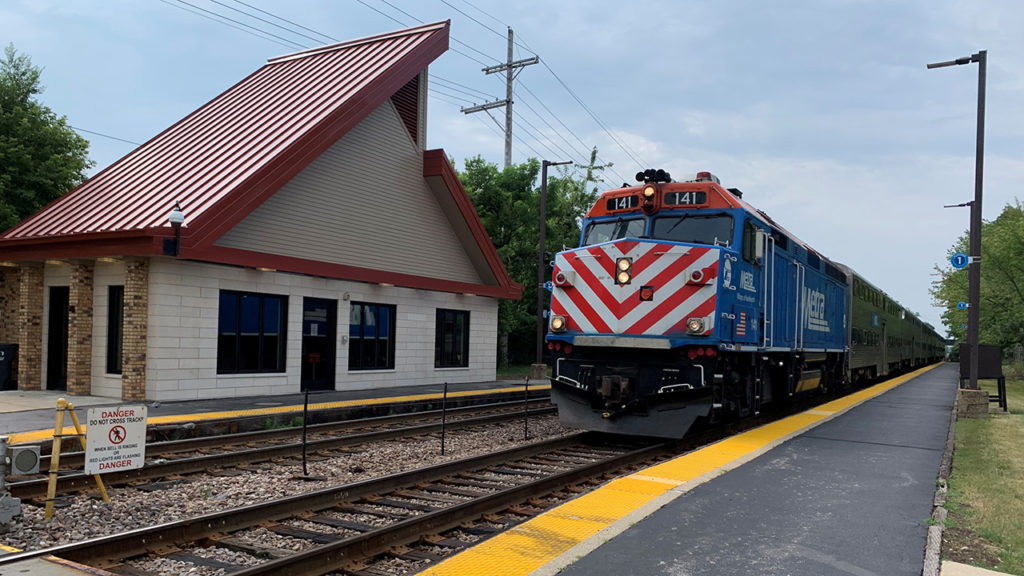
x=598, y=232
x=713, y=229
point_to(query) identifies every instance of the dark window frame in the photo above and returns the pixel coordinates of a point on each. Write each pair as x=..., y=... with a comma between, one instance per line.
x=115, y=328
x=235, y=354
x=451, y=338
x=371, y=343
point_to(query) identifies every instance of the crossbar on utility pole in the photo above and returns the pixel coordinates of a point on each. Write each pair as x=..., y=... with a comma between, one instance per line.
x=509, y=67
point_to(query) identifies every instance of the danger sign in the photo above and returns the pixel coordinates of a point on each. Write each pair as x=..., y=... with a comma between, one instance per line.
x=115, y=439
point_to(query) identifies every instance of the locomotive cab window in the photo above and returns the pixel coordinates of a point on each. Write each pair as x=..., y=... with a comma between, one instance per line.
x=753, y=243
x=598, y=232
x=712, y=229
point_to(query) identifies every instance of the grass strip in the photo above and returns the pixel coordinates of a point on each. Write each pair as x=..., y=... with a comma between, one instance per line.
x=985, y=527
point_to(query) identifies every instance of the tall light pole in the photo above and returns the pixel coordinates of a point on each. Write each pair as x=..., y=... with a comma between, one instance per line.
x=540, y=254
x=974, y=264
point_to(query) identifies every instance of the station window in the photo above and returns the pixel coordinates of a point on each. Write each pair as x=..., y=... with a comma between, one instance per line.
x=451, y=339
x=371, y=341
x=115, y=328
x=251, y=332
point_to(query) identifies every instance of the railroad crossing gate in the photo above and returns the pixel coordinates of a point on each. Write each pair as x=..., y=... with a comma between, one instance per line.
x=115, y=439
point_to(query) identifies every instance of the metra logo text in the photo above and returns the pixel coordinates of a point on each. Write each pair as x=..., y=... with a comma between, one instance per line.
x=814, y=311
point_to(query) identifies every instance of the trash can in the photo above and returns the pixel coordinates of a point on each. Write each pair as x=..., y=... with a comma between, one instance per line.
x=8, y=362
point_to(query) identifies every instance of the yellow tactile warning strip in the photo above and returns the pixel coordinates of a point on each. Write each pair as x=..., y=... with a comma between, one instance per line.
x=554, y=539
x=38, y=435
x=9, y=549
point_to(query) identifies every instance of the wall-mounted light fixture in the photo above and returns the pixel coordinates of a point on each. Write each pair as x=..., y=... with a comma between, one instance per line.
x=176, y=219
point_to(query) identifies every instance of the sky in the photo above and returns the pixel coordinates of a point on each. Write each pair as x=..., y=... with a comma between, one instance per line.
x=822, y=112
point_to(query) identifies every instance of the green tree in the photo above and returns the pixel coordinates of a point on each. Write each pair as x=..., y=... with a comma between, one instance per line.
x=1001, y=310
x=508, y=202
x=41, y=157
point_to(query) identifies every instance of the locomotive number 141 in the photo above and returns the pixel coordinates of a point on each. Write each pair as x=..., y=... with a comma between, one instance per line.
x=685, y=198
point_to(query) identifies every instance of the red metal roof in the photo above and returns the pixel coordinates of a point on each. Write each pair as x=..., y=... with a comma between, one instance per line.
x=226, y=158
x=229, y=155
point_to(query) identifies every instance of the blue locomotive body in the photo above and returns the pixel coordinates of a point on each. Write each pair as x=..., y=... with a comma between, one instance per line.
x=683, y=302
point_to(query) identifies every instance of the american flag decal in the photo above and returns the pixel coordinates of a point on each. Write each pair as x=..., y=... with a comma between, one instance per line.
x=741, y=325
x=684, y=277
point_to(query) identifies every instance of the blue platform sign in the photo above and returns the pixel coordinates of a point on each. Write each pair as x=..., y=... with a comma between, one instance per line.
x=959, y=260
x=961, y=305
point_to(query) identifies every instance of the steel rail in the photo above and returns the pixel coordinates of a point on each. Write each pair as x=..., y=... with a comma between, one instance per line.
x=76, y=459
x=28, y=489
x=336, y=556
x=180, y=532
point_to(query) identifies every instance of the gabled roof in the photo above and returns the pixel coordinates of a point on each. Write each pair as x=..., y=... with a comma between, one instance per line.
x=226, y=158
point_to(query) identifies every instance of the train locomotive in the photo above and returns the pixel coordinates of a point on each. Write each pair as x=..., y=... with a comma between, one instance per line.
x=684, y=303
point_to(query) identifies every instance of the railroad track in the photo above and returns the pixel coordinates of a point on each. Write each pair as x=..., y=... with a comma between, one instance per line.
x=165, y=458
x=340, y=527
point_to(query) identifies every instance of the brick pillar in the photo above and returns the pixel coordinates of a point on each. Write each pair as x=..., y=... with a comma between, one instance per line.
x=9, y=279
x=30, y=328
x=80, y=329
x=135, y=327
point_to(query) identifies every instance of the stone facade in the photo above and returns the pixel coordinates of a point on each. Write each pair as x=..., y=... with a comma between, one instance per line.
x=30, y=328
x=80, y=323
x=9, y=278
x=136, y=327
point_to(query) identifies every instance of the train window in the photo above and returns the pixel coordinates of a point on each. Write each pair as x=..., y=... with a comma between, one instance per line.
x=714, y=229
x=606, y=230
x=750, y=240
x=813, y=260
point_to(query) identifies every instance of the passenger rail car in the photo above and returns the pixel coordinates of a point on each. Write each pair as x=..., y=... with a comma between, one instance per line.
x=684, y=302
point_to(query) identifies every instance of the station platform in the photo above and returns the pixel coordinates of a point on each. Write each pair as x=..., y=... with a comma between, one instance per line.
x=844, y=489
x=28, y=416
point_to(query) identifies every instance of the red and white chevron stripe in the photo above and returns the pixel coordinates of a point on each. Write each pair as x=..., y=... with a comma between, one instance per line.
x=594, y=304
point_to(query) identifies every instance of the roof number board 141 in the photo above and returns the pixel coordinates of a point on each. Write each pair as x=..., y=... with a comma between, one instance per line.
x=686, y=198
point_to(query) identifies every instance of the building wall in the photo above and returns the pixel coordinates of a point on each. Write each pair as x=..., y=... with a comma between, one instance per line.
x=106, y=274
x=184, y=299
x=363, y=203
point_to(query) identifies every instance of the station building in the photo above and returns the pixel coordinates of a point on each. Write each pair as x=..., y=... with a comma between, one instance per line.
x=291, y=234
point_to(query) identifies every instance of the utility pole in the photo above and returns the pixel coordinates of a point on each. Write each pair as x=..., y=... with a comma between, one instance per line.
x=509, y=68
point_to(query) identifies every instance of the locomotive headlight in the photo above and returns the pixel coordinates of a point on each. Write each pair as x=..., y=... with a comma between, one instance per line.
x=623, y=271
x=558, y=323
x=695, y=325
x=649, y=191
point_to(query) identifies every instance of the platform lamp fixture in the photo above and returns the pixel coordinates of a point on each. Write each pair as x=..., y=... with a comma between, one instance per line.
x=974, y=263
x=176, y=219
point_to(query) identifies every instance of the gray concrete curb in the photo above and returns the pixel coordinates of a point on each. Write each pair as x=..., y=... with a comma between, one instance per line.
x=933, y=547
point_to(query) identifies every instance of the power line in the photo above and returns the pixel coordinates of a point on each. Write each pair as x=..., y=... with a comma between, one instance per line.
x=331, y=38
x=242, y=24
x=290, y=45
x=219, y=3
x=499, y=34
x=478, y=92
x=76, y=129
x=603, y=126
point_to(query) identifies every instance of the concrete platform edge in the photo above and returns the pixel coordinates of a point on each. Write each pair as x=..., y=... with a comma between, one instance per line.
x=559, y=563
x=933, y=549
